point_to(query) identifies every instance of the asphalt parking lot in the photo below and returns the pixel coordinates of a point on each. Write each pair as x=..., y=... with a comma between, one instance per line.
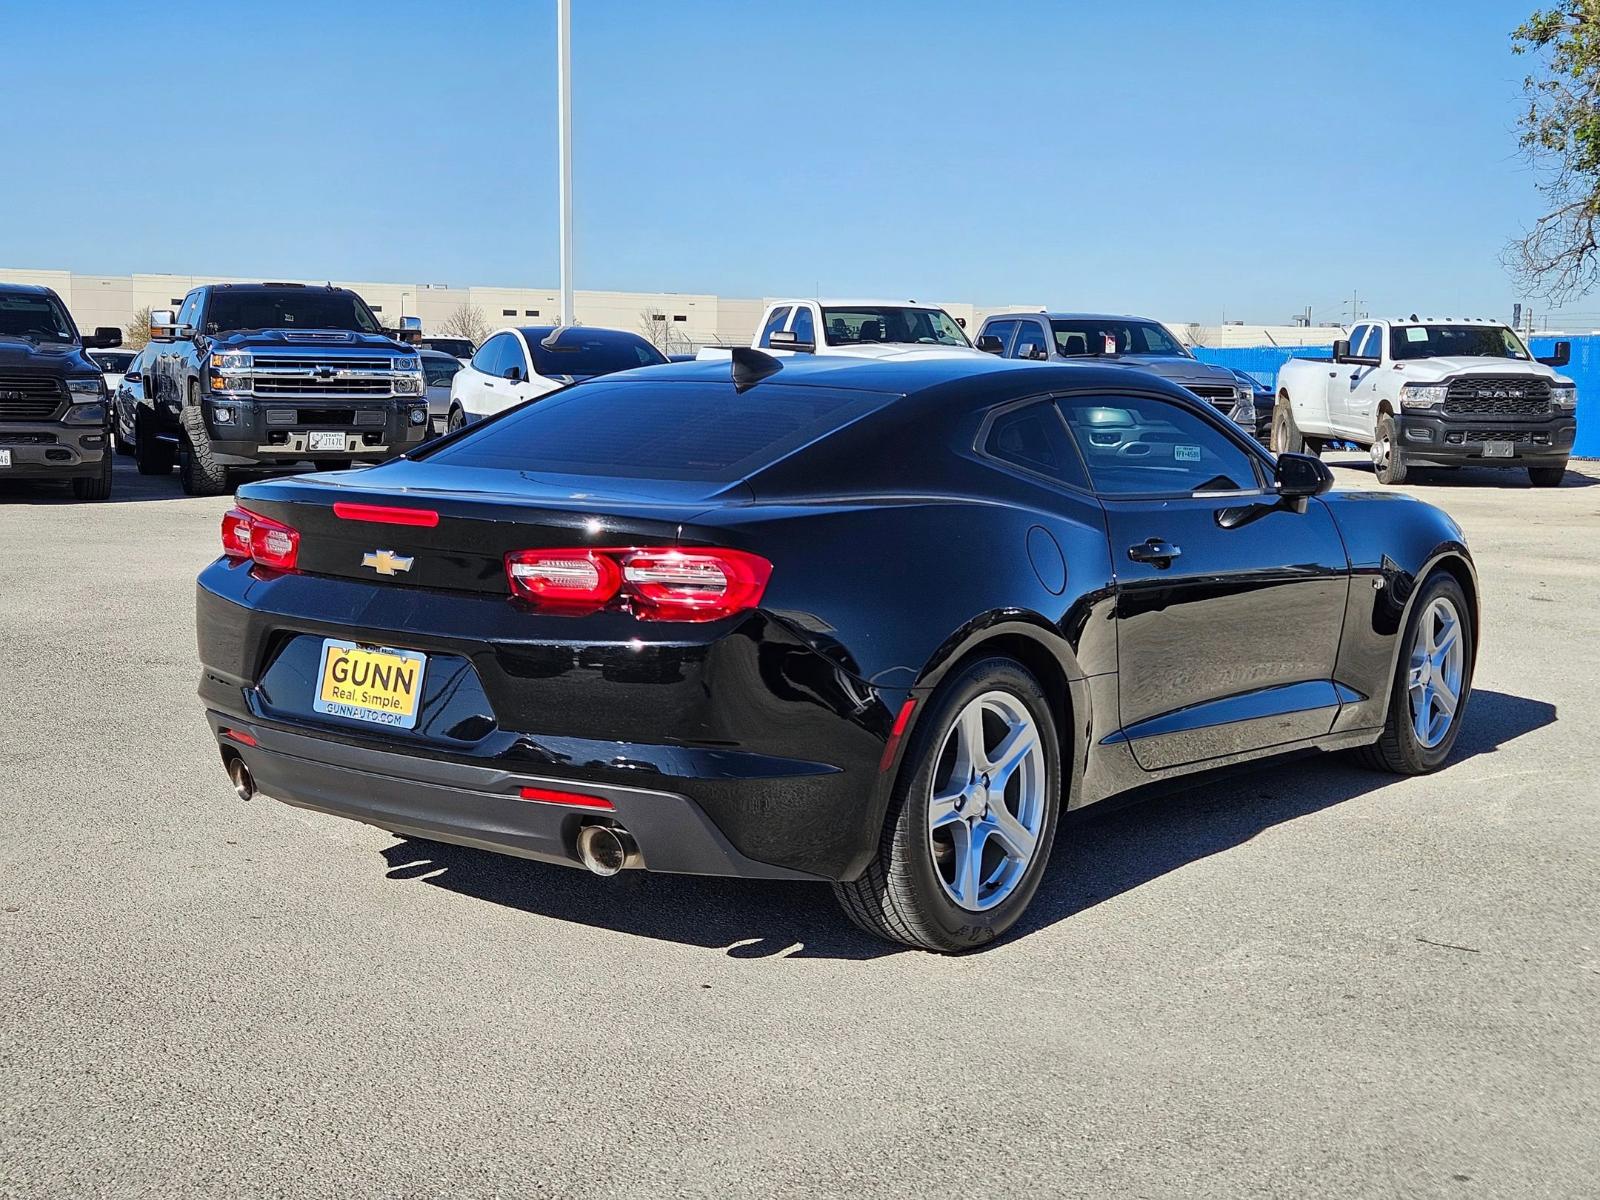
x=1308, y=980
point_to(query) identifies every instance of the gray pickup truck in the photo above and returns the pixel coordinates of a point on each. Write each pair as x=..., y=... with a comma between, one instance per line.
x=270, y=374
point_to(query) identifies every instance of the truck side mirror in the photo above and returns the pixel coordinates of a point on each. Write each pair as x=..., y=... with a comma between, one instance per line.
x=989, y=344
x=1035, y=353
x=787, y=339
x=163, y=325
x=1560, y=358
x=1341, y=350
x=961, y=321
x=105, y=337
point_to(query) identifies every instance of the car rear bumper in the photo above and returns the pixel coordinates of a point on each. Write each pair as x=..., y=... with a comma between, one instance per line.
x=1435, y=438
x=478, y=806
x=50, y=450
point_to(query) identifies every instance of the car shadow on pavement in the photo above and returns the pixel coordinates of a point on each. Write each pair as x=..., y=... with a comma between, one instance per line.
x=1097, y=857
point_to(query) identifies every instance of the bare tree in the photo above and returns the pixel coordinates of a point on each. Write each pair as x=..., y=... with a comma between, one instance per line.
x=467, y=321
x=1558, y=257
x=136, y=334
x=653, y=327
x=1196, y=333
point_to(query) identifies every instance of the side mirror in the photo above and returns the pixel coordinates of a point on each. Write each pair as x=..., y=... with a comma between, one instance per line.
x=105, y=337
x=1341, y=350
x=1301, y=476
x=163, y=325
x=1561, y=357
x=784, y=339
x=989, y=344
x=514, y=374
x=1035, y=353
x=961, y=321
x=411, y=325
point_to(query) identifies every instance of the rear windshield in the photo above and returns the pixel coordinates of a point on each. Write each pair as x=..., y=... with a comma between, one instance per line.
x=36, y=317
x=590, y=352
x=667, y=430
x=460, y=347
x=291, y=308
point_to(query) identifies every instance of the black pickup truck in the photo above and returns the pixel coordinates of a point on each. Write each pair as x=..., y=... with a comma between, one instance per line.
x=274, y=374
x=53, y=412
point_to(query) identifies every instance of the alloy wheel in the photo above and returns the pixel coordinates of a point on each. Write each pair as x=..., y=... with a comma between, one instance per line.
x=987, y=801
x=1433, y=682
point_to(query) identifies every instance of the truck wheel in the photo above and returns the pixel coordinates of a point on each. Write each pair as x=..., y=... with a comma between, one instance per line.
x=1547, y=476
x=95, y=487
x=153, y=457
x=1388, y=460
x=198, y=470
x=1286, y=437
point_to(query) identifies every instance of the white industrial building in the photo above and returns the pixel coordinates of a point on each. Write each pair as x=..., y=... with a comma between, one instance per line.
x=691, y=319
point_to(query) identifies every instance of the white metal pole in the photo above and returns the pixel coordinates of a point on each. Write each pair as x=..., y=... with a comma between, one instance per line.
x=564, y=138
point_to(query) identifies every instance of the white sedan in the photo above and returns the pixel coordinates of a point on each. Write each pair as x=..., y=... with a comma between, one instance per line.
x=520, y=364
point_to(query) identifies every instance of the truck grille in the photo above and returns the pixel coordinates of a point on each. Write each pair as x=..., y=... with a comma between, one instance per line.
x=298, y=375
x=1219, y=396
x=30, y=397
x=1497, y=396
x=281, y=385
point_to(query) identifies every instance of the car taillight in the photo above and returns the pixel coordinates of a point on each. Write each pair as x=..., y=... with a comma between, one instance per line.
x=654, y=583
x=261, y=539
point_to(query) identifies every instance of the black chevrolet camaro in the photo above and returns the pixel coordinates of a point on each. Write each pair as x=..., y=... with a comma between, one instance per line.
x=875, y=624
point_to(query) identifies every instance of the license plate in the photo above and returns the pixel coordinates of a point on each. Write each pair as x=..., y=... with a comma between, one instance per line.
x=320, y=440
x=5, y=458
x=1498, y=450
x=368, y=683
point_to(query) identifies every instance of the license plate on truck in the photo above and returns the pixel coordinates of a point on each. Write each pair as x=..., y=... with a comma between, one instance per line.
x=370, y=683
x=1498, y=450
x=5, y=458
x=319, y=440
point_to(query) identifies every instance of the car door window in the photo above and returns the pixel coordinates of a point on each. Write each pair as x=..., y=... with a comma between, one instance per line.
x=1372, y=344
x=1032, y=437
x=1030, y=340
x=805, y=329
x=189, y=314
x=1358, y=338
x=487, y=359
x=774, y=323
x=1004, y=330
x=513, y=355
x=1147, y=446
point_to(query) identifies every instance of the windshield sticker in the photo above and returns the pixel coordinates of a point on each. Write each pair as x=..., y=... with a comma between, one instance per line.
x=1416, y=333
x=1109, y=341
x=1186, y=453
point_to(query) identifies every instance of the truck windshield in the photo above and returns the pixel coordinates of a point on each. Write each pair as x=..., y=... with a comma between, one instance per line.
x=36, y=317
x=1448, y=341
x=1095, y=336
x=289, y=309
x=863, y=325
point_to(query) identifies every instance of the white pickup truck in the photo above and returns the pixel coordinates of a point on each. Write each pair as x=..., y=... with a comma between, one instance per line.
x=859, y=329
x=1432, y=393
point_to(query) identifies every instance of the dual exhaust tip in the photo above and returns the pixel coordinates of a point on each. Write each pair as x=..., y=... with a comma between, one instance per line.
x=607, y=849
x=244, y=783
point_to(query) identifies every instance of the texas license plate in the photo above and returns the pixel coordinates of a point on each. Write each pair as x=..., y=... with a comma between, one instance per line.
x=321, y=440
x=368, y=683
x=5, y=458
x=1498, y=450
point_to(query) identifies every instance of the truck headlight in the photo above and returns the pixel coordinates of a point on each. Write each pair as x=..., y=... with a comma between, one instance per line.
x=230, y=360
x=1564, y=397
x=92, y=388
x=408, y=385
x=86, y=414
x=230, y=383
x=1422, y=395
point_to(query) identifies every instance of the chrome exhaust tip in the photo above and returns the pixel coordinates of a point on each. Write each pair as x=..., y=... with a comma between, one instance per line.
x=607, y=849
x=244, y=783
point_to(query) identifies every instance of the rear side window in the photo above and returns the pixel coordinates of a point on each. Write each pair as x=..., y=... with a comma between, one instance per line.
x=590, y=352
x=1142, y=445
x=658, y=430
x=1034, y=439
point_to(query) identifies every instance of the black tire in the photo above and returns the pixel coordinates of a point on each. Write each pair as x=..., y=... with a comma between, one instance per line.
x=901, y=897
x=121, y=444
x=455, y=419
x=1398, y=750
x=95, y=487
x=1547, y=476
x=198, y=469
x=153, y=457
x=1388, y=459
x=1314, y=445
x=1286, y=437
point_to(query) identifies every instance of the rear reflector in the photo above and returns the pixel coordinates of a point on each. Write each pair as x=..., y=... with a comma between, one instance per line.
x=270, y=543
x=575, y=799
x=654, y=583
x=383, y=514
x=240, y=736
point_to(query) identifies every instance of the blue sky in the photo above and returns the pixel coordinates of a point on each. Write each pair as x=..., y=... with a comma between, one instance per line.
x=1188, y=160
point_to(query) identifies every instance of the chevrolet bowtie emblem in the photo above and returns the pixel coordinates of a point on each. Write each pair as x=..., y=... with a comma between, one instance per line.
x=386, y=562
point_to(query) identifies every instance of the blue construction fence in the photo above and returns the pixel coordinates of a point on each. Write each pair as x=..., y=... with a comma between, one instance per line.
x=1264, y=362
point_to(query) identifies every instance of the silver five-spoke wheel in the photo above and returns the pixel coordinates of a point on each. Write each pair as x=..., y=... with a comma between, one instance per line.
x=1434, y=682
x=987, y=802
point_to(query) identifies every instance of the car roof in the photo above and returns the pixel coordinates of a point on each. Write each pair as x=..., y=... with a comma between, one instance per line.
x=910, y=376
x=1069, y=316
x=274, y=287
x=855, y=302
x=427, y=352
x=540, y=332
x=28, y=289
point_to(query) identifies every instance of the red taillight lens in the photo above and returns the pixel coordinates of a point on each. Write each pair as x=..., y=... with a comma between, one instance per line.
x=261, y=539
x=655, y=583
x=575, y=799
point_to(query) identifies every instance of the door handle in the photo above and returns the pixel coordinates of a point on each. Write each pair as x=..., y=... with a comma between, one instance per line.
x=1155, y=551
